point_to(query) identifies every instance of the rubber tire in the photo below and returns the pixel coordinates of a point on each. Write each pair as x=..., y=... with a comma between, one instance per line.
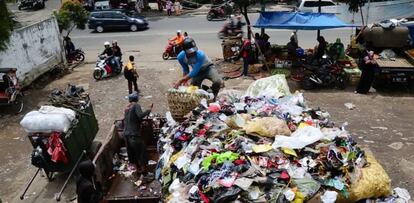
x=99, y=29
x=94, y=148
x=80, y=57
x=18, y=104
x=165, y=55
x=209, y=16
x=133, y=28
x=97, y=74
x=307, y=84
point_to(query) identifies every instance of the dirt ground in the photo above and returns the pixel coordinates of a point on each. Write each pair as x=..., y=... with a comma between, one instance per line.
x=381, y=121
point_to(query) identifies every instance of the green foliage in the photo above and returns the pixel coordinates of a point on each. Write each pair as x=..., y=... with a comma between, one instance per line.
x=354, y=5
x=71, y=14
x=6, y=25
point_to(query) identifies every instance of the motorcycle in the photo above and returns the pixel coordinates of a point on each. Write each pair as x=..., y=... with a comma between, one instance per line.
x=228, y=31
x=106, y=68
x=327, y=75
x=76, y=57
x=171, y=50
x=220, y=12
x=31, y=4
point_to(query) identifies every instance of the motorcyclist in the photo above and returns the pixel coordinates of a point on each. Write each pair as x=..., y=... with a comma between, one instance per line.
x=177, y=41
x=202, y=67
x=110, y=55
x=117, y=52
x=238, y=25
x=69, y=47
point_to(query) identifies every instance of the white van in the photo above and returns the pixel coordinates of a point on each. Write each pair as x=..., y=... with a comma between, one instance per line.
x=102, y=5
x=327, y=6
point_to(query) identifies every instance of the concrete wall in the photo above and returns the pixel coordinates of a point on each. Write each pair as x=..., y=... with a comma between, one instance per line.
x=34, y=50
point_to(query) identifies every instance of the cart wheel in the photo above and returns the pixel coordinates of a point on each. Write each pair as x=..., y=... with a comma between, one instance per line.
x=94, y=148
x=18, y=104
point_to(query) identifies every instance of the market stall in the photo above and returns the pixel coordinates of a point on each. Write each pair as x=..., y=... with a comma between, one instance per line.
x=299, y=21
x=264, y=145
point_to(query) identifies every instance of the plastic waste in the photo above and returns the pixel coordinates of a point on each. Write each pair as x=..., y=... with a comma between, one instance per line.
x=49, y=120
x=289, y=195
x=267, y=127
x=329, y=196
x=261, y=148
x=350, y=106
x=307, y=186
x=271, y=87
x=299, y=139
x=402, y=193
x=254, y=193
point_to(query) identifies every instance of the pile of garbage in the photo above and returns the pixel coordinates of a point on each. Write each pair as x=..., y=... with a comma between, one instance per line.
x=264, y=149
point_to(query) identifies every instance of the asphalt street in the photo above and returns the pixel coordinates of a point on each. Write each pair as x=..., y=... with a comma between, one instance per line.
x=153, y=40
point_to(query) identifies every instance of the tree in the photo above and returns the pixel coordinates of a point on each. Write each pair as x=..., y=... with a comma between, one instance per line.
x=6, y=25
x=355, y=6
x=243, y=5
x=71, y=15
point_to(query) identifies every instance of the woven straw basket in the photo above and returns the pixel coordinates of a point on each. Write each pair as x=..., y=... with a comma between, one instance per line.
x=182, y=103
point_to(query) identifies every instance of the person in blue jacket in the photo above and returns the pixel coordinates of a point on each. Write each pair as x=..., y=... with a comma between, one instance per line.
x=202, y=67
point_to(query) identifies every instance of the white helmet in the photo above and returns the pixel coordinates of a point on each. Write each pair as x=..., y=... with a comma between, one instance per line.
x=179, y=31
x=107, y=44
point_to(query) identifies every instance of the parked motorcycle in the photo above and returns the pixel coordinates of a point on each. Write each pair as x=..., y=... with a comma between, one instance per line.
x=31, y=4
x=171, y=50
x=328, y=75
x=76, y=57
x=220, y=12
x=106, y=68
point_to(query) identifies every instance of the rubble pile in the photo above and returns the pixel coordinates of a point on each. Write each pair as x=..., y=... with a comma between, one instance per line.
x=259, y=149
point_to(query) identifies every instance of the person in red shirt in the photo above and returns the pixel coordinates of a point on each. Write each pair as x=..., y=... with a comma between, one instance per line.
x=245, y=51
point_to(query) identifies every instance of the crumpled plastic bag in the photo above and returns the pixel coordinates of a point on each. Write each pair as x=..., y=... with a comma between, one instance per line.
x=387, y=54
x=374, y=182
x=267, y=127
x=220, y=158
x=329, y=197
x=307, y=186
x=271, y=87
x=299, y=139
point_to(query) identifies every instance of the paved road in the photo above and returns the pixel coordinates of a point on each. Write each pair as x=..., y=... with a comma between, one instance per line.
x=153, y=40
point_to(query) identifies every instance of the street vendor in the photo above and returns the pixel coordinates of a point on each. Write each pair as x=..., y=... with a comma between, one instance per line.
x=136, y=149
x=202, y=67
x=321, y=48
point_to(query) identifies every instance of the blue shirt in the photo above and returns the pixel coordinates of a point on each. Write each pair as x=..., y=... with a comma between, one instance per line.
x=197, y=62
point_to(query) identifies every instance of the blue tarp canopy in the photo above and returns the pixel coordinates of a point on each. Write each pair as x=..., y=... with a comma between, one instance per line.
x=299, y=21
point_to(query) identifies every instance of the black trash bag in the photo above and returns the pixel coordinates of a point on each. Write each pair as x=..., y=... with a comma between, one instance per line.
x=224, y=195
x=40, y=158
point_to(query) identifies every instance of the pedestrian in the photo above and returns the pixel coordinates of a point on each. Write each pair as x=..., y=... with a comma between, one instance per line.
x=160, y=5
x=131, y=75
x=202, y=67
x=321, y=48
x=136, y=148
x=169, y=7
x=245, y=54
x=87, y=189
x=368, y=67
x=177, y=7
x=139, y=5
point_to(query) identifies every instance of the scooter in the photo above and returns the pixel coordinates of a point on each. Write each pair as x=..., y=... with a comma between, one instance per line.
x=171, y=50
x=106, y=68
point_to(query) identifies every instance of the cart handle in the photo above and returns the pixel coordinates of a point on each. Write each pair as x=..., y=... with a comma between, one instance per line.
x=58, y=195
x=29, y=184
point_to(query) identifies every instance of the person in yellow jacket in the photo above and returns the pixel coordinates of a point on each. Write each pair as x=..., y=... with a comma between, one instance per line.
x=131, y=75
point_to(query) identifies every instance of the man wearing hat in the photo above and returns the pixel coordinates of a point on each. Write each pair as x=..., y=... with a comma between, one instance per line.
x=136, y=149
x=202, y=67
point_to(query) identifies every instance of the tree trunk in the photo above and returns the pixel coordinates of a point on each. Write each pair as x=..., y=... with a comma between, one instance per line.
x=246, y=17
x=362, y=15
